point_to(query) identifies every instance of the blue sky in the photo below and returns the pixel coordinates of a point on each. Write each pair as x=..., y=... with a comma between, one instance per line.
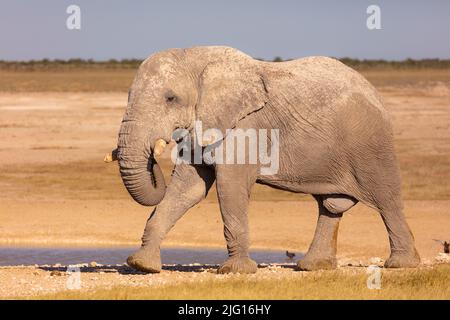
x=135, y=29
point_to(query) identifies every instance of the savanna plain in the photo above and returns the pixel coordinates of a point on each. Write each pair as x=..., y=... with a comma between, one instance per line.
x=56, y=191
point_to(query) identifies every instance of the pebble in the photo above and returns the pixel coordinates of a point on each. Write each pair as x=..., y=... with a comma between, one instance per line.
x=442, y=257
x=21, y=282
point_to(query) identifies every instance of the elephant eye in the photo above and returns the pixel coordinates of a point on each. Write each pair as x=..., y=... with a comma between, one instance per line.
x=170, y=97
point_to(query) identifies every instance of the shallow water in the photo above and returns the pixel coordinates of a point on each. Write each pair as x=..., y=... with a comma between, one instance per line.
x=109, y=256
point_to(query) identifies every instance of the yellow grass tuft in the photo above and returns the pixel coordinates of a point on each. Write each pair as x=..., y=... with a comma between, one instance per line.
x=424, y=283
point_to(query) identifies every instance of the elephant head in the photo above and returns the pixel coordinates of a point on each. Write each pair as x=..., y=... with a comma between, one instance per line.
x=172, y=89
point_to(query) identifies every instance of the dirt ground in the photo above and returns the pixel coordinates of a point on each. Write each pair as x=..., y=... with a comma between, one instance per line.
x=274, y=281
x=56, y=190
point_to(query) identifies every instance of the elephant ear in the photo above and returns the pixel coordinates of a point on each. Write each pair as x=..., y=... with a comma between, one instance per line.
x=228, y=93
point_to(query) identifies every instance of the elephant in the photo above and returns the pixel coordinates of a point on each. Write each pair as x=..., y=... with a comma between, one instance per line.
x=335, y=143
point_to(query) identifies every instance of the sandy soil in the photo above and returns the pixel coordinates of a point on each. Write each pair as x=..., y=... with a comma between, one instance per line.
x=56, y=191
x=39, y=280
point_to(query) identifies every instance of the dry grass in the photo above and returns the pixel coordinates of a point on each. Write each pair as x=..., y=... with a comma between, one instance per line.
x=66, y=81
x=93, y=180
x=425, y=283
x=120, y=79
x=423, y=177
x=401, y=78
x=76, y=180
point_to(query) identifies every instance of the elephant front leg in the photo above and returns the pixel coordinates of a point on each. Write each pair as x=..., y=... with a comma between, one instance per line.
x=189, y=185
x=322, y=251
x=233, y=188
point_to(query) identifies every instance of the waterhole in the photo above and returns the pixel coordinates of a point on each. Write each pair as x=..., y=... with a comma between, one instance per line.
x=10, y=256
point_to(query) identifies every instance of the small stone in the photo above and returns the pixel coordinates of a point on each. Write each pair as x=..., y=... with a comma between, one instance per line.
x=354, y=263
x=93, y=264
x=56, y=273
x=442, y=257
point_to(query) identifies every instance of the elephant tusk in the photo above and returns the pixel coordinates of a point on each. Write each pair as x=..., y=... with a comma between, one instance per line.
x=160, y=144
x=207, y=141
x=110, y=157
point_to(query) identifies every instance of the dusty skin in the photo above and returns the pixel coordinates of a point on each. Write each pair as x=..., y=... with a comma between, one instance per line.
x=56, y=190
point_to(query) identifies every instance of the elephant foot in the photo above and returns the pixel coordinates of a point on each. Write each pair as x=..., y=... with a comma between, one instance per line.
x=399, y=259
x=146, y=260
x=238, y=265
x=312, y=264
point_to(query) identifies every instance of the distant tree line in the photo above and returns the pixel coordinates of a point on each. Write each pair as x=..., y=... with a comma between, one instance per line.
x=57, y=64
x=387, y=64
x=403, y=64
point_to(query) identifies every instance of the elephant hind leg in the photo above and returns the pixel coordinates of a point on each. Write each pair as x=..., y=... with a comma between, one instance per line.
x=382, y=190
x=401, y=240
x=322, y=251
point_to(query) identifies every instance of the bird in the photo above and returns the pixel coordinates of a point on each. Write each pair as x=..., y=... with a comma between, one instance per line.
x=290, y=255
x=444, y=243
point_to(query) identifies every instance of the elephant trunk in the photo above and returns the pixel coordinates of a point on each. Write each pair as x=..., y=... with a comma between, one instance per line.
x=141, y=174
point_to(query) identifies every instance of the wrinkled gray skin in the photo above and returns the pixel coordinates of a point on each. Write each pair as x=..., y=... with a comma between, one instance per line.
x=336, y=143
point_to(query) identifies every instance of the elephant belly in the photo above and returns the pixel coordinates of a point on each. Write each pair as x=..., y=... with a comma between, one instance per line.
x=301, y=187
x=312, y=173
